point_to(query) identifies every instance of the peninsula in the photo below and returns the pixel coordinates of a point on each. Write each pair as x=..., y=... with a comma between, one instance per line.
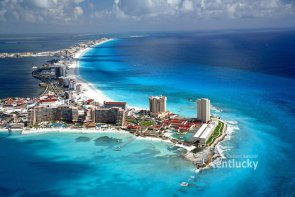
x=71, y=103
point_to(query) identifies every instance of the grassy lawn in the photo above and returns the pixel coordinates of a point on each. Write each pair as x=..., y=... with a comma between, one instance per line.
x=216, y=134
x=132, y=120
x=146, y=123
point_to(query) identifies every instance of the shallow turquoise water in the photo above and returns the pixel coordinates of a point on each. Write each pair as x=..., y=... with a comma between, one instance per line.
x=238, y=74
x=249, y=79
x=59, y=164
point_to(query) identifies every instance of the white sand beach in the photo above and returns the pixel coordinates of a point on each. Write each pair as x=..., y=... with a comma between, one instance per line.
x=97, y=130
x=89, y=89
x=69, y=130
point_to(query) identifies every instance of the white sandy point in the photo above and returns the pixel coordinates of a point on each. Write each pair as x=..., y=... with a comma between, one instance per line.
x=89, y=89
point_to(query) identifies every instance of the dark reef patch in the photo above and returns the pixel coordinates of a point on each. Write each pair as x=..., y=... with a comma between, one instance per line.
x=82, y=139
x=107, y=141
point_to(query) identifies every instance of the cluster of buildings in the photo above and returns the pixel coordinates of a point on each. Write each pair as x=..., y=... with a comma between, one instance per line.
x=158, y=108
x=181, y=125
x=16, y=55
x=50, y=71
x=67, y=82
x=68, y=105
x=63, y=101
x=70, y=52
x=109, y=113
x=13, y=112
x=202, y=127
x=51, y=108
x=65, y=53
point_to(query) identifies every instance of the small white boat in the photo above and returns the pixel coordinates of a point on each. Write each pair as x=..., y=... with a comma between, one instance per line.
x=184, y=184
x=118, y=148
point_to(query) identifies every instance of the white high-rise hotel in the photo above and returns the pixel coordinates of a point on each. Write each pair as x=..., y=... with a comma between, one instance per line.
x=158, y=104
x=203, y=109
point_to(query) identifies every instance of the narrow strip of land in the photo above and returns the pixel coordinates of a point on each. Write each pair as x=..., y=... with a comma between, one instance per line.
x=216, y=134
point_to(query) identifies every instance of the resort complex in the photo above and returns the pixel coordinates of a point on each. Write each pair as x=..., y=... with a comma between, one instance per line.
x=148, y=98
x=69, y=102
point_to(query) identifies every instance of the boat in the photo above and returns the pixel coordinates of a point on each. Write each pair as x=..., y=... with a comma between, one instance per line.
x=184, y=184
x=118, y=148
x=34, y=67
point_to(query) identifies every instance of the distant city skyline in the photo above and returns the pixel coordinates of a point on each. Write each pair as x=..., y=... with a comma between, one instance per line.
x=116, y=16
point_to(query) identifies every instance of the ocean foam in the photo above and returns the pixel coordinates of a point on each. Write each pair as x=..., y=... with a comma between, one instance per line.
x=215, y=109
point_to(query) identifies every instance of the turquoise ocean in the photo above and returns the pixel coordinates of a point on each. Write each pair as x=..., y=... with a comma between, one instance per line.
x=249, y=78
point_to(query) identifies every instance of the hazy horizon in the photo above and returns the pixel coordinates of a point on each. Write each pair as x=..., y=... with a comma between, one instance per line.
x=210, y=31
x=124, y=16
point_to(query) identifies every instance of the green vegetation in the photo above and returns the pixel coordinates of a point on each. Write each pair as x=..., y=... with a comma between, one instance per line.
x=132, y=120
x=146, y=123
x=216, y=134
x=36, y=126
x=140, y=122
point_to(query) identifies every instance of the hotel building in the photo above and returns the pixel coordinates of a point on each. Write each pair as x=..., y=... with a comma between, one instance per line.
x=203, y=106
x=122, y=105
x=48, y=114
x=113, y=115
x=158, y=104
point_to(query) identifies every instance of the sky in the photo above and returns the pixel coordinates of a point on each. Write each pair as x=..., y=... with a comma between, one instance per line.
x=119, y=16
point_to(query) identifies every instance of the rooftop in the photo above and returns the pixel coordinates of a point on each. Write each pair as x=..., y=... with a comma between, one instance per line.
x=114, y=103
x=157, y=97
x=200, y=131
x=208, y=130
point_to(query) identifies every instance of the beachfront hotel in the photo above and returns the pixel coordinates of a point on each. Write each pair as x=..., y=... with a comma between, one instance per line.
x=114, y=115
x=109, y=104
x=47, y=114
x=203, y=107
x=158, y=104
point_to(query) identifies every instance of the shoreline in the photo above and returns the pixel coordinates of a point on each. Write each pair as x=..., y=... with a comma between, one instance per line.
x=89, y=90
x=195, y=158
x=40, y=131
x=96, y=130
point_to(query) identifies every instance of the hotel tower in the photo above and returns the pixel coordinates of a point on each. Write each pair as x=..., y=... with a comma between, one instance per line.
x=203, y=106
x=158, y=104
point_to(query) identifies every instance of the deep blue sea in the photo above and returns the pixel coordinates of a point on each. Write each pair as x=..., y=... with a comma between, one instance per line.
x=250, y=79
x=15, y=76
